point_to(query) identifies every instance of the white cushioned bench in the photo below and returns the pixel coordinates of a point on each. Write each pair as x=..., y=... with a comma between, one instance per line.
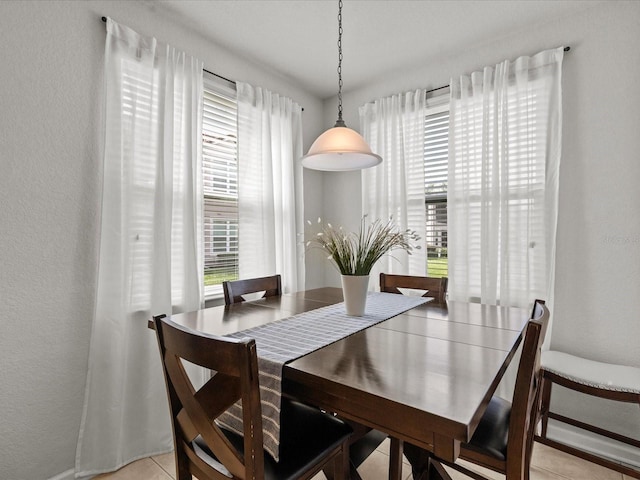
x=607, y=376
x=604, y=380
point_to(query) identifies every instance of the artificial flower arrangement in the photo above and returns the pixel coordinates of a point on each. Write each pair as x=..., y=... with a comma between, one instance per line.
x=356, y=253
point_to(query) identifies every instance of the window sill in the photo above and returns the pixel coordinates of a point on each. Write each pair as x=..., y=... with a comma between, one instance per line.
x=213, y=291
x=213, y=296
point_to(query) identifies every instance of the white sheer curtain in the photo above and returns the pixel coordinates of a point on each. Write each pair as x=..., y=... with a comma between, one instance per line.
x=394, y=127
x=150, y=246
x=270, y=211
x=504, y=160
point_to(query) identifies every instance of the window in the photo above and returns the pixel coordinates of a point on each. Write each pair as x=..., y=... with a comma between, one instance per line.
x=436, y=155
x=220, y=177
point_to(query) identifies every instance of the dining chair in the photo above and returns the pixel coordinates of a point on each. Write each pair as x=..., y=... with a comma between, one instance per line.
x=503, y=440
x=235, y=289
x=436, y=287
x=310, y=440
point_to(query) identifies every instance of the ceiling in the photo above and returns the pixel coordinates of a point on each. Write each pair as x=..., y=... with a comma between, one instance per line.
x=298, y=38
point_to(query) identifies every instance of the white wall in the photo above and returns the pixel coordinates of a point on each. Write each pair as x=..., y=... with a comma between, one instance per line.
x=597, y=302
x=50, y=180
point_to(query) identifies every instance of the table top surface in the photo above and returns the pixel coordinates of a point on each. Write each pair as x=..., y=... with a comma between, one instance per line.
x=429, y=371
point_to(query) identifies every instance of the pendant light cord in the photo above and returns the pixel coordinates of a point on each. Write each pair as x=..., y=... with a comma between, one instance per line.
x=340, y=122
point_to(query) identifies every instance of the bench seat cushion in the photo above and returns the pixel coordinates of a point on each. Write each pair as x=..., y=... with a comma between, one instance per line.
x=600, y=375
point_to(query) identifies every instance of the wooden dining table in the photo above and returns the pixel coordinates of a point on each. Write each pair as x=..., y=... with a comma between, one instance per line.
x=424, y=376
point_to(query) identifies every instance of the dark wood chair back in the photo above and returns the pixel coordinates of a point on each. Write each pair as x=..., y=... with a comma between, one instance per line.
x=437, y=287
x=525, y=406
x=193, y=412
x=310, y=440
x=522, y=413
x=233, y=290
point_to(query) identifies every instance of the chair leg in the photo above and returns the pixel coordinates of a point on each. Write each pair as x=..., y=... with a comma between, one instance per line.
x=353, y=472
x=341, y=464
x=182, y=462
x=545, y=388
x=419, y=460
x=537, y=419
x=341, y=469
x=436, y=471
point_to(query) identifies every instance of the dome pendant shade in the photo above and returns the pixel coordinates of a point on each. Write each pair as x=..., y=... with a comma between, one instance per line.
x=340, y=149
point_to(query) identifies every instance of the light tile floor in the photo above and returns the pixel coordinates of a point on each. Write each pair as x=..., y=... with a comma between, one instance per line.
x=547, y=464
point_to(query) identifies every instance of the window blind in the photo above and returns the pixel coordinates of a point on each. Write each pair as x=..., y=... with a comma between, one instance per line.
x=220, y=179
x=436, y=157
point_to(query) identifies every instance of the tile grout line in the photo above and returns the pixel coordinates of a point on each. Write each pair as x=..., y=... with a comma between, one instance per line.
x=163, y=469
x=555, y=474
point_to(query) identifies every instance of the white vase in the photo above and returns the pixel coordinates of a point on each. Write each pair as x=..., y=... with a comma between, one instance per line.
x=354, y=291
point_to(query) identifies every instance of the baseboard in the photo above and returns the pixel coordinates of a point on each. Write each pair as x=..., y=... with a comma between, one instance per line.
x=593, y=443
x=68, y=475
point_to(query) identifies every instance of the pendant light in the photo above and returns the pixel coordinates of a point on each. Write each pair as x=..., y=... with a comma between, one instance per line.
x=340, y=148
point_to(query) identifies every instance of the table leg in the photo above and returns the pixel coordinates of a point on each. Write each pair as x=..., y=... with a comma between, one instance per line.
x=395, y=459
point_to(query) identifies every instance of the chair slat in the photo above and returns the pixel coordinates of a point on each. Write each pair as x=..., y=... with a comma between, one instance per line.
x=234, y=290
x=437, y=287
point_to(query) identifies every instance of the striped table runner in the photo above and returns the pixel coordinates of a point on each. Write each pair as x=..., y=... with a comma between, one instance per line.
x=285, y=340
